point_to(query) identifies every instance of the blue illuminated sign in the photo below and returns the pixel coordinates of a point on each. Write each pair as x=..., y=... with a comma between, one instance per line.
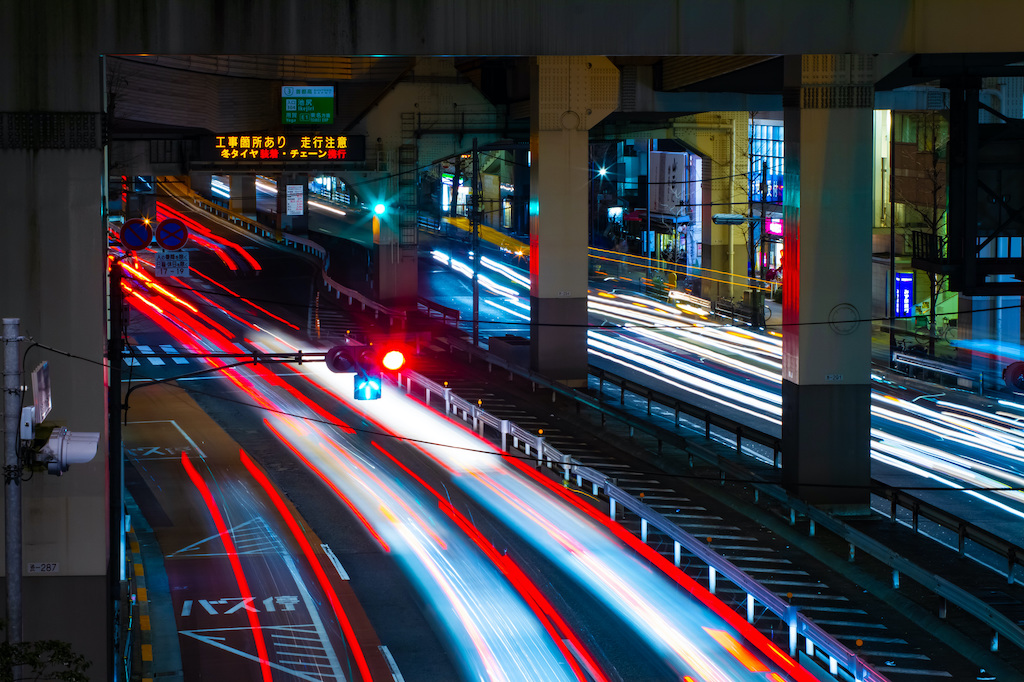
x=904, y=297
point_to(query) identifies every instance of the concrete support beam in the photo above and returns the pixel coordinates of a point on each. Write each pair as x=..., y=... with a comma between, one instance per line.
x=293, y=203
x=722, y=138
x=395, y=270
x=52, y=279
x=243, y=194
x=568, y=96
x=827, y=292
x=200, y=183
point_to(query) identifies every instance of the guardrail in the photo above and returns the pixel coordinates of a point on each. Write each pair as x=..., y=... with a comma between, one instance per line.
x=302, y=244
x=919, y=513
x=742, y=434
x=973, y=541
x=448, y=316
x=967, y=533
x=817, y=643
x=939, y=367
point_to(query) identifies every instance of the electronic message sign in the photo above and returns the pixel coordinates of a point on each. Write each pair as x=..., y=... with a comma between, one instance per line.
x=277, y=149
x=307, y=104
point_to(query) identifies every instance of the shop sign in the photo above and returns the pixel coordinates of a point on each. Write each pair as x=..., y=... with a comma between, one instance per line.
x=904, y=294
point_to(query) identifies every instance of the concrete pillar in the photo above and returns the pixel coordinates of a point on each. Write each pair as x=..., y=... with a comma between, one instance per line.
x=293, y=203
x=521, y=199
x=52, y=279
x=568, y=96
x=395, y=264
x=721, y=138
x=200, y=183
x=243, y=194
x=827, y=291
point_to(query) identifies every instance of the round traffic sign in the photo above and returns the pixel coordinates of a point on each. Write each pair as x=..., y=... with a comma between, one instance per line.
x=171, y=234
x=136, y=234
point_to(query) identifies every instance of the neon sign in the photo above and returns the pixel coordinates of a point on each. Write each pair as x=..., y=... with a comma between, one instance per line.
x=904, y=294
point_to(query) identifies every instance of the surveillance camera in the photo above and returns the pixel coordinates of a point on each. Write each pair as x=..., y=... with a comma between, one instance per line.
x=65, y=448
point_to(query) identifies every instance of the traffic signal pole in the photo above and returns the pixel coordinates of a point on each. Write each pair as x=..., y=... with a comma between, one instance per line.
x=115, y=464
x=12, y=478
x=475, y=212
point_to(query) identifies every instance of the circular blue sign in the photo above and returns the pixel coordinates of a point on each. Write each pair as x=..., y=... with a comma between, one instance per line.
x=171, y=234
x=136, y=234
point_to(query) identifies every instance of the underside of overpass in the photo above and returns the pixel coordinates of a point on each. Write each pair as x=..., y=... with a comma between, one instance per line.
x=127, y=88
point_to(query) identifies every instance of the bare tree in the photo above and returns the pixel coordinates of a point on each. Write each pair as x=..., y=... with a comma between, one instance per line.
x=919, y=184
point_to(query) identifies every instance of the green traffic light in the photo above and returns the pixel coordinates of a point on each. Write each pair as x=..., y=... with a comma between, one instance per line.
x=379, y=209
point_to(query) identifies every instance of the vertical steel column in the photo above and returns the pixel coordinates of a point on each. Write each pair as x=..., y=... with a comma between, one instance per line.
x=115, y=468
x=475, y=245
x=12, y=477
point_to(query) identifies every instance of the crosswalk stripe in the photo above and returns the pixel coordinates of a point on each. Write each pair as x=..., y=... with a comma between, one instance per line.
x=171, y=350
x=147, y=351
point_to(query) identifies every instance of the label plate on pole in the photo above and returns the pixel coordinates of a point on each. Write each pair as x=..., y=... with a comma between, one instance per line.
x=172, y=264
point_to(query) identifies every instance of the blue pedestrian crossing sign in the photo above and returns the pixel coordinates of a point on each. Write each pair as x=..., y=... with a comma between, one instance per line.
x=136, y=234
x=171, y=234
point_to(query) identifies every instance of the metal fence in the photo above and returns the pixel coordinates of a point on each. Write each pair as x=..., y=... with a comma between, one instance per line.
x=804, y=634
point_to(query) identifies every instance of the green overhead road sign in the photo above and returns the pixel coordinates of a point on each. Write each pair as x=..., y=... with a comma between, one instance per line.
x=307, y=104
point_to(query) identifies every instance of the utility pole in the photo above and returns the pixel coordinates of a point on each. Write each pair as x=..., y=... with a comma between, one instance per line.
x=892, y=242
x=760, y=242
x=12, y=477
x=475, y=245
x=115, y=464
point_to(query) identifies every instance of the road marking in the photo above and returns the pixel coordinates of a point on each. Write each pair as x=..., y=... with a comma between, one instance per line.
x=275, y=631
x=314, y=612
x=147, y=351
x=334, y=560
x=266, y=547
x=171, y=350
x=195, y=448
x=396, y=675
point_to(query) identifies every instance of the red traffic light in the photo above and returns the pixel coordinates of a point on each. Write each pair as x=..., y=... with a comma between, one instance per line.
x=393, y=360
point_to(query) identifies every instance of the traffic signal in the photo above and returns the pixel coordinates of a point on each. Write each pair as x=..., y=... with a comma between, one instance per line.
x=341, y=359
x=367, y=363
x=393, y=360
x=366, y=384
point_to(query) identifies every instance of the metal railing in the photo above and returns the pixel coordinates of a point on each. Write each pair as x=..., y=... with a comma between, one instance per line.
x=909, y=360
x=303, y=245
x=815, y=642
x=742, y=437
x=973, y=541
